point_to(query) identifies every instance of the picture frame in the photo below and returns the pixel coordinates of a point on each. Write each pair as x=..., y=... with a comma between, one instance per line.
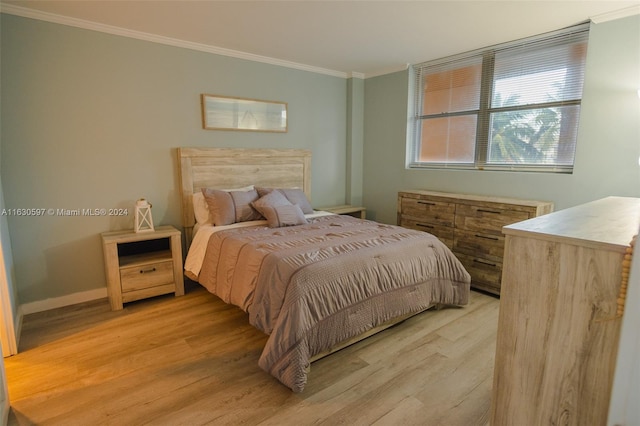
x=244, y=114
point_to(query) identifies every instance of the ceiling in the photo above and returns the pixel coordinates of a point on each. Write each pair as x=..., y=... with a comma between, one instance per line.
x=346, y=38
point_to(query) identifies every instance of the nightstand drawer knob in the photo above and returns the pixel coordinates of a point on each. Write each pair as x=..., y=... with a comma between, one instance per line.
x=145, y=271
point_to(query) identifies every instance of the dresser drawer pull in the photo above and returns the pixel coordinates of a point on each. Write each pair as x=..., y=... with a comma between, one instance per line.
x=428, y=203
x=424, y=225
x=484, y=262
x=487, y=237
x=489, y=211
x=146, y=271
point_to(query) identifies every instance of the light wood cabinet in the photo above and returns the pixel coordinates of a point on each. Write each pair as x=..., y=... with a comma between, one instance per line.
x=558, y=325
x=470, y=225
x=143, y=264
x=347, y=209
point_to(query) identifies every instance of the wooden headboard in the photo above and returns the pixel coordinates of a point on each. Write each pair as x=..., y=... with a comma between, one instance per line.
x=228, y=168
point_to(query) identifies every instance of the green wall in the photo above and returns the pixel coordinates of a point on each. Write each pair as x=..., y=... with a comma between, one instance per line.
x=608, y=142
x=92, y=120
x=355, y=140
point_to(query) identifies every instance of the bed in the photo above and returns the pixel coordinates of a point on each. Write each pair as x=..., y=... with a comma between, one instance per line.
x=313, y=281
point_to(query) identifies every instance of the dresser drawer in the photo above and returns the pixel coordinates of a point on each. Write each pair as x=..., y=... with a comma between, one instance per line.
x=444, y=233
x=486, y=219
x=432, y=212
x=480, y=244
x=485, y=274
x=144, y=276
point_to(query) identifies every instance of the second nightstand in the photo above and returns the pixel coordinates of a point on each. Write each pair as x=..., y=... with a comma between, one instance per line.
x=355, y=211
x=143, y=264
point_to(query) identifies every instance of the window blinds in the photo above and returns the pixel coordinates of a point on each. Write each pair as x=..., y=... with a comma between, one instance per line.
x=524, y=98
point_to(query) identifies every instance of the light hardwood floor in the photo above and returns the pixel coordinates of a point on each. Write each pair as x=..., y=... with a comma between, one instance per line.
x=192, y=360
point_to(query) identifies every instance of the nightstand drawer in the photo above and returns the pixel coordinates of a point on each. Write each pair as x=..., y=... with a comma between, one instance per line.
x=144, y=276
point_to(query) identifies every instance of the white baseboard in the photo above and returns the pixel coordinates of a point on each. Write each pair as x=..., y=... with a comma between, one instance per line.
x=59, y=302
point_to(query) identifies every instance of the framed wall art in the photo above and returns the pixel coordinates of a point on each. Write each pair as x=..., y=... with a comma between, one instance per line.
x=231, y=113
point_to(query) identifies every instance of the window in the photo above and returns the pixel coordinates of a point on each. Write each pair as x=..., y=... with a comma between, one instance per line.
x=510, y=107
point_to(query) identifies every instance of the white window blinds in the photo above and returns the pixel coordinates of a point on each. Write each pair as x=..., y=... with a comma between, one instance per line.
x=515, y=106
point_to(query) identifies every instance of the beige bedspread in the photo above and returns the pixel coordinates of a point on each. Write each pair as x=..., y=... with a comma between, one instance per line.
x=312, y=286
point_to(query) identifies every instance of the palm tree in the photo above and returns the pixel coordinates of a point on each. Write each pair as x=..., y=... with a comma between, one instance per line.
x=524, y=136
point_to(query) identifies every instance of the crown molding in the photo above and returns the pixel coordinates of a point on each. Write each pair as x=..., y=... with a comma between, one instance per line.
x=617, y=14
x=110, y=29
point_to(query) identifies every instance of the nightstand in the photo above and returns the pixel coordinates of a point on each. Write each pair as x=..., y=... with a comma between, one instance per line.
x=355, y=211
x=143, y=264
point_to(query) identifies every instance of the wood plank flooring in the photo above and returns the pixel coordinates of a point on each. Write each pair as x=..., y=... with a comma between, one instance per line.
x=193, y=360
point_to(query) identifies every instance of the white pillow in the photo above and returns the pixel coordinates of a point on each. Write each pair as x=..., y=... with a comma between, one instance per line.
x=201, y=209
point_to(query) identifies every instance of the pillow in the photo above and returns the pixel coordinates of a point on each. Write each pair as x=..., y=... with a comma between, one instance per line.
x=270, y=199
x=285, y=216
x=294, y=195
x=279, y=211
x=201, y=209
x=227, y=207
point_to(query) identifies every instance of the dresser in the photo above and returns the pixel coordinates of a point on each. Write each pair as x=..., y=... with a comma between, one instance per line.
x=561, y=306
x=470, y=225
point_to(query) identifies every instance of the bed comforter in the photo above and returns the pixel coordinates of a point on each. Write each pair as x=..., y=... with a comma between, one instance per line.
x=312, y=286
